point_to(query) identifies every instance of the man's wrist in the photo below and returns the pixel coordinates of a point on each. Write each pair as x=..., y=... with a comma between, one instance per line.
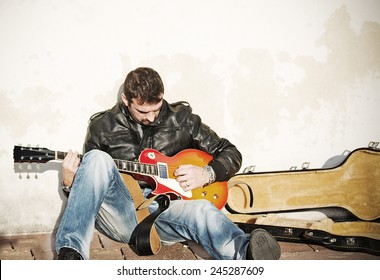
x=210, y=173
x=65, y=188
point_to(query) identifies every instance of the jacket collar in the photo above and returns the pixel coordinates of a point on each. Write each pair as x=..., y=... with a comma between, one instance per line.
x=124, y=109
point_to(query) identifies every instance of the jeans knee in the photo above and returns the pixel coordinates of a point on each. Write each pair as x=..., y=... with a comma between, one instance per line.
x=201, y=206
x=97, y=167
x=98, y=156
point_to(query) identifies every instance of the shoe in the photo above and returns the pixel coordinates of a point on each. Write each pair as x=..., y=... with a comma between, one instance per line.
x=66, y=253
x=263, y=246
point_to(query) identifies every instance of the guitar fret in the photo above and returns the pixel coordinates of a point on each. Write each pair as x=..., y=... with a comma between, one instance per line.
x=60, y=155
x=123, y=165
x=136, y=167
x=149, y=169
x=142, y=169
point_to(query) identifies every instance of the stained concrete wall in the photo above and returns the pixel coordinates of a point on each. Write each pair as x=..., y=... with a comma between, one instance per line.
x=286, y=81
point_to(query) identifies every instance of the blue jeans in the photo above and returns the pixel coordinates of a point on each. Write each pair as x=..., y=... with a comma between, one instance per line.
x=99, y=195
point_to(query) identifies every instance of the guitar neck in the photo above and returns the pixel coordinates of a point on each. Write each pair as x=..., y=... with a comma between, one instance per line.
x=127, y=165
x=151, y=163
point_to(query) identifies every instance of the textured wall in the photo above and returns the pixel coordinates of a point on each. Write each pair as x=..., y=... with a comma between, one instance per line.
x=286, y=81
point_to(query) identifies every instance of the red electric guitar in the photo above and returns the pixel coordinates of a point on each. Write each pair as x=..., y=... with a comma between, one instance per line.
x=151, y=164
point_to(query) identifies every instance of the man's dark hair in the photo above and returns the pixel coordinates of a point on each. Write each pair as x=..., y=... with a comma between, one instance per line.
x=144, y=84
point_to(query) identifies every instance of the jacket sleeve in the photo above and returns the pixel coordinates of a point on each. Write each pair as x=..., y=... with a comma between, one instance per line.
x=94, y=132
x=92, y=140
x=227, y=158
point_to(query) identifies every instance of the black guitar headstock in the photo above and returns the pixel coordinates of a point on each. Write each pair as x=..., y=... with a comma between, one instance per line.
x=32, y=154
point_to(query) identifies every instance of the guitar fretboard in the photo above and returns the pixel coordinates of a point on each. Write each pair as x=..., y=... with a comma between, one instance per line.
x=136, y=167
x=131, y=166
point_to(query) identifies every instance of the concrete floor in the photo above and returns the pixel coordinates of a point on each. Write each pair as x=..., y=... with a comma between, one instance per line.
x=41, y=247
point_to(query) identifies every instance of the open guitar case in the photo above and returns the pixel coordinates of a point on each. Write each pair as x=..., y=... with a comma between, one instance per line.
x=337, y=206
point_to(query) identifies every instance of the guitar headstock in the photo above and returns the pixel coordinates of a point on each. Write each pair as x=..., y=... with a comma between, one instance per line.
x=32, y=154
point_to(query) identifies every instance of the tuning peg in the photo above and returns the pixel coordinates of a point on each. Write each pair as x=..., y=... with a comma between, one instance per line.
x=35, y=176
x=28, y=176
x=305, y=165
x=20, y=166
x=20, y=176
x=29, y=166
x=38, y=166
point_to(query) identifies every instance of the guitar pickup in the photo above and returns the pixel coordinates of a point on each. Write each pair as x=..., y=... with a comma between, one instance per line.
x=162, y=170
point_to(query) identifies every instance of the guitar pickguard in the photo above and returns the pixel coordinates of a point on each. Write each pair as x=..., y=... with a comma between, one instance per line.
x=165, y=185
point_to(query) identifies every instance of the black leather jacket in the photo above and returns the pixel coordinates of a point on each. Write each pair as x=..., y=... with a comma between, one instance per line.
x=176, y=128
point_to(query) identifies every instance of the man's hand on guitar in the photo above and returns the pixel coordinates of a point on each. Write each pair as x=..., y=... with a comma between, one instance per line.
x=191, y=177
x=69, y=167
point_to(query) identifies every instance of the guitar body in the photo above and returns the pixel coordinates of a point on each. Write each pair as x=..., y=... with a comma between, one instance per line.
x=216, y=192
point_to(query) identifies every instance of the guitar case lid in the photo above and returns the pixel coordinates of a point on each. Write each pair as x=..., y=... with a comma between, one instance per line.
x=349, y=191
